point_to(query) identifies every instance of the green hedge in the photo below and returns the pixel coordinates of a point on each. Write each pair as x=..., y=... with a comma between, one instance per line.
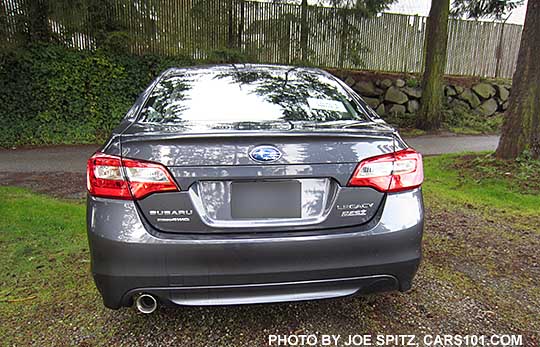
x=53, y=95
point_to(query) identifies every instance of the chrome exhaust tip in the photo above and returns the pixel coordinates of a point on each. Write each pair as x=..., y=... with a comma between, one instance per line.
x=146, y=303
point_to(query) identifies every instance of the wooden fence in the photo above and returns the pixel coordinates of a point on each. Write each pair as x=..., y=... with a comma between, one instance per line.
x=281, y=33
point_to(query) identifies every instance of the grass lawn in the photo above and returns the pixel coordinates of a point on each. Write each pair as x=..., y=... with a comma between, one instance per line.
x=477, y=179
x=480, y=275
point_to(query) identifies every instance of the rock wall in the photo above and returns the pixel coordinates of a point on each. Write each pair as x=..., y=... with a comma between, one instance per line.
x=389, y=94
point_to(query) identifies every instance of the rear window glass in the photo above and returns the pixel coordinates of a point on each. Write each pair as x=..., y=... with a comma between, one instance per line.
x=249, y=95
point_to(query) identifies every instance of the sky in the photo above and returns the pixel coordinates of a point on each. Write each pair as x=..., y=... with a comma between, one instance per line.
x=421, y=7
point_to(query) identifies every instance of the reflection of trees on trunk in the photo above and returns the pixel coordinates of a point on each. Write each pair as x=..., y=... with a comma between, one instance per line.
x=242, y=77
x=281, y=94
x=167, y=102
x=291, y=93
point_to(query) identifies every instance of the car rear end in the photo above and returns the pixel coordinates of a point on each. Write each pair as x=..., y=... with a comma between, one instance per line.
x=226, y=210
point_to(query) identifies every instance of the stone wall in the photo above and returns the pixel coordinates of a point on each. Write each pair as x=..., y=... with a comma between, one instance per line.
x=401, y=94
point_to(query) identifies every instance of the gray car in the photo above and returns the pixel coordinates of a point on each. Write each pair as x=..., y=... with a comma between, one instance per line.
x=241, y=184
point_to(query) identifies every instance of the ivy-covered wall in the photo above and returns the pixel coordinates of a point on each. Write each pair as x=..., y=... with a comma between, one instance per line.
x=51, y=95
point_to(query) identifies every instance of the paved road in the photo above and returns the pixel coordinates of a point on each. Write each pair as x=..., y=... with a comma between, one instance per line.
x=432, y=145
x=73, y=158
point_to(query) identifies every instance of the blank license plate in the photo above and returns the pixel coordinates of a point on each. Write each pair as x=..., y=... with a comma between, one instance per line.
x=254, y=200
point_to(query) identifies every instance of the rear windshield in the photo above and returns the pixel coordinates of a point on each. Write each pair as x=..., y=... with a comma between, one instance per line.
x=249, y=95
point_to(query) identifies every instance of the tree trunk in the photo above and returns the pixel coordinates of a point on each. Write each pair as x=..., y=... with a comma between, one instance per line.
x=3, y=25
x=521, y=128
x=230, y=40
x=38, y=20
x=100, y=20
x=429, y=115
x=304, y=31
x=241, y=25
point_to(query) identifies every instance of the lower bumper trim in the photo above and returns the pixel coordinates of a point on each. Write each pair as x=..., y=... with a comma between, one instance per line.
x=269, y=292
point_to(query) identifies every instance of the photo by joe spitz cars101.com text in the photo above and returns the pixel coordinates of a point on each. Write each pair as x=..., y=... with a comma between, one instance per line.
x=240, y=184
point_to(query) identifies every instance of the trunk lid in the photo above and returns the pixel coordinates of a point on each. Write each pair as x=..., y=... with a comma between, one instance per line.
x=229, y=144
x=224, y=189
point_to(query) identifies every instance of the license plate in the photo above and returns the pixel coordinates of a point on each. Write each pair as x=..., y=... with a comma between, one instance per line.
x=265, y=199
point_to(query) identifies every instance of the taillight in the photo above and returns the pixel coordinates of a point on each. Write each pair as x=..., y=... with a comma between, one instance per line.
x=392, y=172
x=113, y=177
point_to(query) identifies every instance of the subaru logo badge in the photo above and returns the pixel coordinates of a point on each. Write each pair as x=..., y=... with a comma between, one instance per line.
x=265, y=153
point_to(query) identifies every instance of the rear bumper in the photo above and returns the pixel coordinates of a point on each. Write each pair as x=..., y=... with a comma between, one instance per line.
x=211, y=270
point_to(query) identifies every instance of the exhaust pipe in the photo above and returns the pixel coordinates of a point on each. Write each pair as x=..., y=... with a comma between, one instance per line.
x=146, y=303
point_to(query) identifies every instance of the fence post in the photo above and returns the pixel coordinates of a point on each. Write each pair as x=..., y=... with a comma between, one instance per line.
x=498, y=50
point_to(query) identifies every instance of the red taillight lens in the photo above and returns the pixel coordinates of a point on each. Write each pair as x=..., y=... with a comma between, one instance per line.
x=392, y=172
x=112, y=177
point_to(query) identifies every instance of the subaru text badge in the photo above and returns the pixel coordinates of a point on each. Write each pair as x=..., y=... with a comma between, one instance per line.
x=265, y=153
